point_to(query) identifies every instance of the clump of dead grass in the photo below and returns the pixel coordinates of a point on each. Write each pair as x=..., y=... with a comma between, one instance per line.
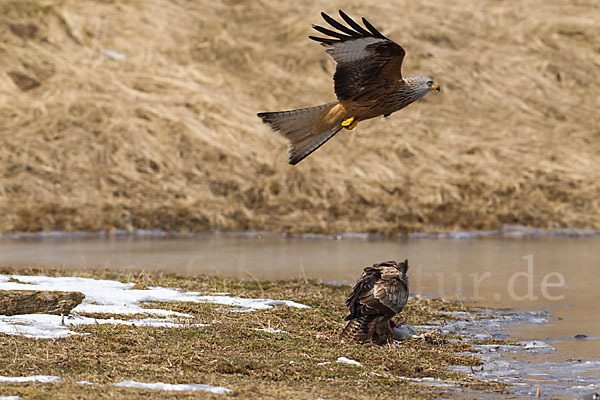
x=168, y=138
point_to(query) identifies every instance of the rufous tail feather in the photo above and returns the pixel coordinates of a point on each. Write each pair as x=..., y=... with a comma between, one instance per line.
x=306, y=129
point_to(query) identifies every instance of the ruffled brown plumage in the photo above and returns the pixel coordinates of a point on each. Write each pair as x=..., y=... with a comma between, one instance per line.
x=380, y=293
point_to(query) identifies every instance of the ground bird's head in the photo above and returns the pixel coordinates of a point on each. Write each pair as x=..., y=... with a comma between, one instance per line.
x=421, y=85
x=403, y=268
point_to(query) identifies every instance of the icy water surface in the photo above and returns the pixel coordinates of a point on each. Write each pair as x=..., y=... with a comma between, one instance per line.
x=550, y=285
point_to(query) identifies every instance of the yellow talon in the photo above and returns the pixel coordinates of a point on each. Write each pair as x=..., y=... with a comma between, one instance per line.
x=350, y=123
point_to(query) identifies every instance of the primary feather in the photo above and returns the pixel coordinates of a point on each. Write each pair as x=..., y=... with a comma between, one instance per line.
x=368, y=83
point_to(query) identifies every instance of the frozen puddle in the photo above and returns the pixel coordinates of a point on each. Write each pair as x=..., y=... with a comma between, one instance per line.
x=112, y=297
x=558, y=380
x=525, y=365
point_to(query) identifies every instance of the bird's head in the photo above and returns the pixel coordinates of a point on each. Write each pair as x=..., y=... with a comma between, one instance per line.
x=403, y=268
x=423, y=85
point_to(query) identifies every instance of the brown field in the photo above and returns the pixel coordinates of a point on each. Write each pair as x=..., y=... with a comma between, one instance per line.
x=168, y=138
x=228, y=352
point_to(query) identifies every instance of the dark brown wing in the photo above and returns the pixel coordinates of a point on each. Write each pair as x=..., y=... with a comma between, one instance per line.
x=366, y=60
x=364, y=286
x=394, y=292
x=389, y=294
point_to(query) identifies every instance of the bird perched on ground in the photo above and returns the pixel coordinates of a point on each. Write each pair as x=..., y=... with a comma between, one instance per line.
x=368, y=83
x=380, y=294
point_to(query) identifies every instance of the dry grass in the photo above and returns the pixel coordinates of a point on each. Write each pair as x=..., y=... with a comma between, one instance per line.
x=228, y=352
x=168, y=137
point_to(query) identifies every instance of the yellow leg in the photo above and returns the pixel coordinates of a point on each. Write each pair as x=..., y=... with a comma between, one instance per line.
x=350, y=123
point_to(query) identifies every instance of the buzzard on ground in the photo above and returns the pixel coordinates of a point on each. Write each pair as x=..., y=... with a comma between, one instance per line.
x=368, y=83
x=380, y=294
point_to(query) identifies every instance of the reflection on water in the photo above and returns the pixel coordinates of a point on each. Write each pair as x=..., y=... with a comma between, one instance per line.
x=559, y=275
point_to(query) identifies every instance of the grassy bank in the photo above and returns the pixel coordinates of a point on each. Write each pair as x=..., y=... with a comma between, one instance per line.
x=229, y=352
x=163, y=134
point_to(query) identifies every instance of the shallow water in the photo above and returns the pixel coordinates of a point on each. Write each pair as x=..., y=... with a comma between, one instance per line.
x=556, y=277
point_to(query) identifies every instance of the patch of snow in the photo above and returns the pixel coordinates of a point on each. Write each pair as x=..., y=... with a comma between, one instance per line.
x=10, y=398
x=269, y=330
x=430, y=381
x=112, y=297
x=171, y=387
x=324, y=363
x=106, y=296
x=481, y=336
x=537, y=345
x=34, y=378
x=492, y=348
x=243, y=303
x=345, y=360
x=591, y=386
x=45, y=326
x=86, y=383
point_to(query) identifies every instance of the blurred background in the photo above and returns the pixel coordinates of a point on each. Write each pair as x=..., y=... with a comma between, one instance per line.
x=141, y=114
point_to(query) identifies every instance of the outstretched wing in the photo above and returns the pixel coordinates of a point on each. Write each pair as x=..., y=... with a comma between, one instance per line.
x=366, y=60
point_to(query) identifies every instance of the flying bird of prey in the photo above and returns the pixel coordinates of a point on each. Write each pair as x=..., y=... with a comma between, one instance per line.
x=368, y=83
x=380, y=294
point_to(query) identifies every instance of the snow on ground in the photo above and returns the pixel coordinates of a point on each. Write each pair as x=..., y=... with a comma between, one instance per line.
x=34, y=378
x=269, y=330
x=106, y=296
x=112, y=297
x=345, y=360
x=433, y=382
x=538, y=346
x=131, y=384
x=171, y=387
x=45, y=326
x=10, y=398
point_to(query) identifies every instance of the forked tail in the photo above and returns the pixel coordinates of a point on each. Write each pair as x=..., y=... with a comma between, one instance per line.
x=306, y=129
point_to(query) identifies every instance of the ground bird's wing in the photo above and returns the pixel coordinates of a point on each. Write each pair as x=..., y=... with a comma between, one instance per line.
x=389, y=293
x=393, y=292
x=364, y=286
x=366, y=60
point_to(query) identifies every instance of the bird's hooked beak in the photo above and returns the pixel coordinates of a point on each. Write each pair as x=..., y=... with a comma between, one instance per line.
x=435, y=86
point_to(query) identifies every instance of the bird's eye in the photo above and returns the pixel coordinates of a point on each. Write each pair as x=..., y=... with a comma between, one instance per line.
x=429, y=83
